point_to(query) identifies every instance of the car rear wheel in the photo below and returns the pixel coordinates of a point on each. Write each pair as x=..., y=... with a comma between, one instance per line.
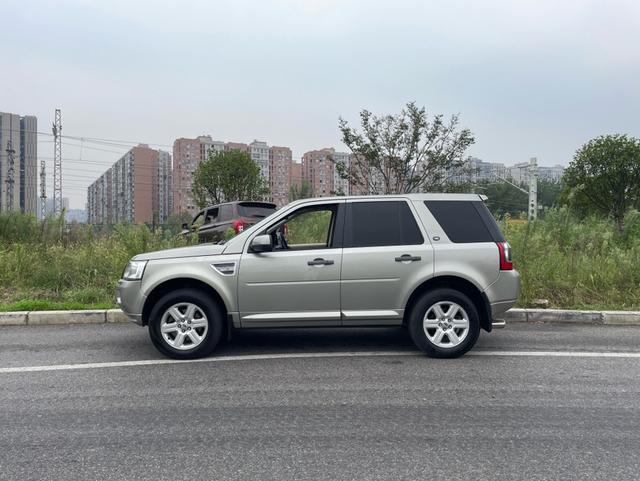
x=185, y=324
x=444, y=323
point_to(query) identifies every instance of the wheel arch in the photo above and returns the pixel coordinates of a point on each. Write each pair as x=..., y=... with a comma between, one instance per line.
x=183, y=283
x=478, y=298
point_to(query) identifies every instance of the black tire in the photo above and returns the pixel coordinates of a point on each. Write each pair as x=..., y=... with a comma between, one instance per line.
x=419, y=311
x=209, y=307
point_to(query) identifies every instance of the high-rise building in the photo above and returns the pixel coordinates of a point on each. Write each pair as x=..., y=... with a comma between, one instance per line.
x=318, y=170
x=229, y=146
x=136, y=189
x=163, y=198
x=187, y=155
x=340, y=185
x=21, y=134
x=280, y=174
x=259, y=152
x=476, y=170
x=296, y=174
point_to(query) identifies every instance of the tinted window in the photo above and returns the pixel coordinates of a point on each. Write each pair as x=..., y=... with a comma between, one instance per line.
x=465, y=221
x=226, y=212
x=256, y=209
x=370, y=224
x=212, y=215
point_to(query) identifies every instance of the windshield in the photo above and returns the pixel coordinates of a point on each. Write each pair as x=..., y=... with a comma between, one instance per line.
x=256, y=209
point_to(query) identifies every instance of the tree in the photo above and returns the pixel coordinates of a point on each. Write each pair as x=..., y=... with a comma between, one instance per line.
x=174, y=221
x=403, y=153
x=604, y=177
x=227, y=177
x=303, y=191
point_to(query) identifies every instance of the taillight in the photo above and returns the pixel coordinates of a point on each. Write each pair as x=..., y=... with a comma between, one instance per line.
x=506, y=263
x=238, y=226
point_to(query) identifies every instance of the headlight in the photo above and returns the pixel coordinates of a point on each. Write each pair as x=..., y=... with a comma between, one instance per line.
x=134, y=270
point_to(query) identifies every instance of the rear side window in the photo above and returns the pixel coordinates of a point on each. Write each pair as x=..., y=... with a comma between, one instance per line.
x=465, y=221
x=370, y=224
x=226, y=212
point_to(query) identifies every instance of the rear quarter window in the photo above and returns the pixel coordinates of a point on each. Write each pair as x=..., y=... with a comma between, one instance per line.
x=465, y=221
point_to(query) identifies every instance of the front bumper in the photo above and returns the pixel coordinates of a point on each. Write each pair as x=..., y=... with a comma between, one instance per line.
x=130, y=299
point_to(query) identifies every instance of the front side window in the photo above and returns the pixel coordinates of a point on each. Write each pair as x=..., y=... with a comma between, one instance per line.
x=306, y=228
x=199, y=220
x=212, y=215
x=386, y=223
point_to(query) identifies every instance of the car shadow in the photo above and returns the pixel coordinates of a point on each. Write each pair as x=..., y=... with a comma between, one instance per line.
x=263, y=341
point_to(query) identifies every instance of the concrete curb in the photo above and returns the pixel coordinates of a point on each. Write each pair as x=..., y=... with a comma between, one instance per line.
x=41, y=318
x=102, y=316
x=620, y=318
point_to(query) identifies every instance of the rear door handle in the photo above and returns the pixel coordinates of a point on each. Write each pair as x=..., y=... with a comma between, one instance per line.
x=320, y=262
x=408, y=258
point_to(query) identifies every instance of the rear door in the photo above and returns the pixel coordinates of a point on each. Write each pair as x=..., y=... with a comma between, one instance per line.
x=385, y=250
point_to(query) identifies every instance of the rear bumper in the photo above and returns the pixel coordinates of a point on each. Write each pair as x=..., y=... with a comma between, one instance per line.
x=503, y=293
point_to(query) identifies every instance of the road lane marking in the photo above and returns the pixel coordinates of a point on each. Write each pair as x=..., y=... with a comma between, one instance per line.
x=310, y=355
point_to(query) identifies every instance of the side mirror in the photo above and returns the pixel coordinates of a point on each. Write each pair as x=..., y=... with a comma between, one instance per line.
x=262, y=243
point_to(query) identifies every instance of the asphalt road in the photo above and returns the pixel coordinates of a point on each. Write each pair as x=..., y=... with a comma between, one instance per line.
x=504, y=415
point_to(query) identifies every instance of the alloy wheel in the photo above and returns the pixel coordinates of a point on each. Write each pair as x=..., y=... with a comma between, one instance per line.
x=446, y=324
x=184, y=326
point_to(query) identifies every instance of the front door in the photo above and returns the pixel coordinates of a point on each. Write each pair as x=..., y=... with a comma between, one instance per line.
x=298, y=283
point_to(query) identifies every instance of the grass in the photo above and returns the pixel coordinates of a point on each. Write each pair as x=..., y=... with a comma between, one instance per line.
x=575, y=264
x=48, y=265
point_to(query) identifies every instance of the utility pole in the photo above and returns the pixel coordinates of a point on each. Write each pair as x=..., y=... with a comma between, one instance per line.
x=533, y=188
x=532, y=178
x=57, y=163
x=10, y=172
x=43, y=190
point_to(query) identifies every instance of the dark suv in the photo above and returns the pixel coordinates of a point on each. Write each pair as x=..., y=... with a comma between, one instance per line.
x=212, y=223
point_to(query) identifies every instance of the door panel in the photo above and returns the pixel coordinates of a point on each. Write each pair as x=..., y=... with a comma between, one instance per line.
x=281, y=288
x=375, y=278
x=299, y=284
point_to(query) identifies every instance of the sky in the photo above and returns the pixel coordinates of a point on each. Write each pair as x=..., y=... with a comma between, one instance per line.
x=530, y=78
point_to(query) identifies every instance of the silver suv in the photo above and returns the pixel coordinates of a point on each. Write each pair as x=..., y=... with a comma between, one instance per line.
x=435, y=263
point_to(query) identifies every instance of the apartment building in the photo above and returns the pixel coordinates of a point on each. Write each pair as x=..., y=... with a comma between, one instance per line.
x=163, y=204
x=136, y=189
x=275, y=165
x=187, y=155
x=476, y=170
x=19, y=133
x=318, y=170
x=341, y=186
x=296, y=174
x=280, y=174
x=259, y=152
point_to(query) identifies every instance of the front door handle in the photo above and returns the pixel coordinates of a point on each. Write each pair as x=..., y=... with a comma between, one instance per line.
x=320, y=262
x=408, y=258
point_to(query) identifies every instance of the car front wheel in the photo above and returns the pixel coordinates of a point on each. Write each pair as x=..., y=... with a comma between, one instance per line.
x=444, y=323
x=185, y=324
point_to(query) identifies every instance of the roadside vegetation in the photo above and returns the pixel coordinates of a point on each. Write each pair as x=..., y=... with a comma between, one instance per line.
x=574, y=263
x=50, y=265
